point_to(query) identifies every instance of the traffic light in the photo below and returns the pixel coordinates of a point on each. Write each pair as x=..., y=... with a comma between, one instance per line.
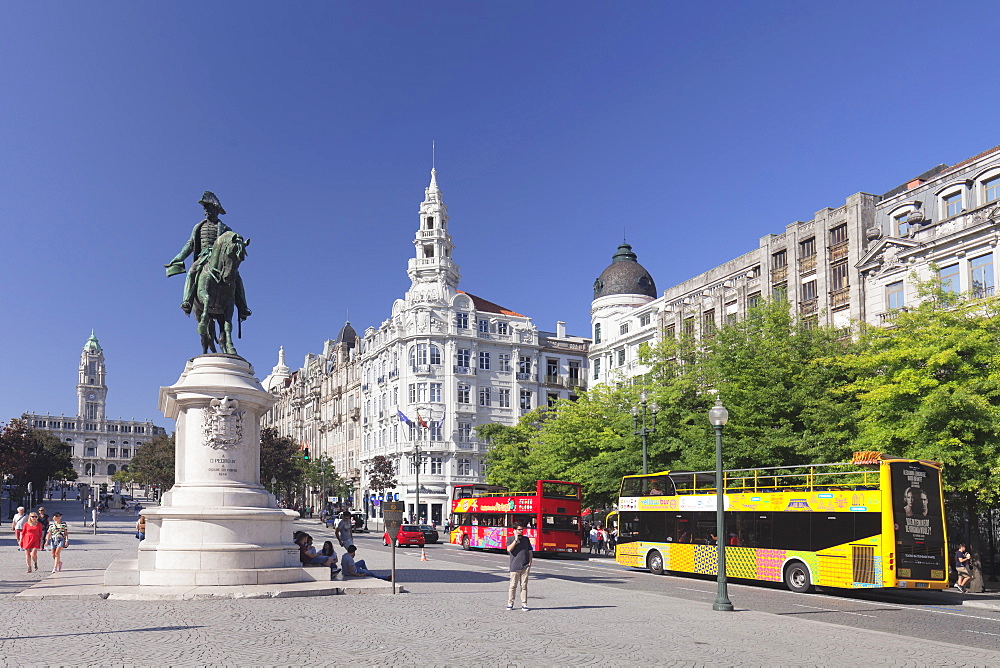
x=305, y=456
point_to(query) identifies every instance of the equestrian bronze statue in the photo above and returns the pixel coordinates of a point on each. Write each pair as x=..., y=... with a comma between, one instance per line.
x=213, y=289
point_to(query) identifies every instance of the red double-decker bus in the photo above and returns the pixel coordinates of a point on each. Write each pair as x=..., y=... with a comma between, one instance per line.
x=484, y=516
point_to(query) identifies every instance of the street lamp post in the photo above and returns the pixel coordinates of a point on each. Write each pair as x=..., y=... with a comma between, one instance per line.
x=719, y=416
x=274, y=481
x=644, y=431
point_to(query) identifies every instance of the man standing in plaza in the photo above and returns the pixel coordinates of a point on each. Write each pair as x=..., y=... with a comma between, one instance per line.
x=519, y=548
x=17, y=525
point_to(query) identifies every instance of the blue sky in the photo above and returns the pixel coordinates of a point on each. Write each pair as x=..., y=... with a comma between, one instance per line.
x=692, y=128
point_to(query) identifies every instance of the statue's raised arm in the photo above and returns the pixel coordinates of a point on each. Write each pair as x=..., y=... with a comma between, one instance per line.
x=213, y=287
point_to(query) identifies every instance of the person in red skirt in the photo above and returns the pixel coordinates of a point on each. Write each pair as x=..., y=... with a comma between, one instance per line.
x=31, y=541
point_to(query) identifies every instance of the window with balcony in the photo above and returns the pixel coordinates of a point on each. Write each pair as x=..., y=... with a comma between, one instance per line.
x=503, y=327
x=484, y=360
x=574, y=371
x=484, y=326
x=524, y=364
x=126, y=453
x=503, y=397
x=779, y=260
x=463, y=393
x=112, y=453
x=463, y=357
x=838, y=235
x=950, y=278
x=982, y=275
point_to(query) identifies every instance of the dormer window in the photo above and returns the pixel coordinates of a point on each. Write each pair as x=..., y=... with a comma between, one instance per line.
x=991, y=189
x=902, y=225
x=952, y=204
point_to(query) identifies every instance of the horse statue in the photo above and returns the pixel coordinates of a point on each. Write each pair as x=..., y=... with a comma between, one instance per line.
x=219, y=289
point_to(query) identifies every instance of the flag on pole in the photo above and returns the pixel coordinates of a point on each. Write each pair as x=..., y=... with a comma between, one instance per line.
x=423, y=423
x=440, y=423
x=403, y=418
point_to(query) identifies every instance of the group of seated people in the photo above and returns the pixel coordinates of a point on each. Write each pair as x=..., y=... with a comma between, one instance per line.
x=310, y=556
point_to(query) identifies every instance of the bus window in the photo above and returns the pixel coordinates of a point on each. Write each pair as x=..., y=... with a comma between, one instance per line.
x=792, y=530
x=762, y=529
x=524, y=519
x=742, y=524
x=560, y=490
x=561, y=522
x=653, y=526
x=628, y=526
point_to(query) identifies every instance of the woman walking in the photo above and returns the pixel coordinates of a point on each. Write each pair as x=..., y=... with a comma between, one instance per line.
x=31, y=540
x=57, y=539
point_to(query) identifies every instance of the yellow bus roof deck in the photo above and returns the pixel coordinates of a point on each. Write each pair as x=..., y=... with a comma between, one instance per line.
x=845, y=476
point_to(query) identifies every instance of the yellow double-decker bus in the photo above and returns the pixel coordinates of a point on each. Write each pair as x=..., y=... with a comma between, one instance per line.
x=877, y=521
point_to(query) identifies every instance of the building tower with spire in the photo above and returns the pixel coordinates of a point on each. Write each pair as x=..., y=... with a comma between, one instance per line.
x=415, y=388
x=100, y=447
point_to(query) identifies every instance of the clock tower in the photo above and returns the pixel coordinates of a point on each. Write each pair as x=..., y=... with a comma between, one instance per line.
x=91, y=390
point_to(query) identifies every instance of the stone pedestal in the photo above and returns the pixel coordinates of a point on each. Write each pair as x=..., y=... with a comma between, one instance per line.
x=218, y=525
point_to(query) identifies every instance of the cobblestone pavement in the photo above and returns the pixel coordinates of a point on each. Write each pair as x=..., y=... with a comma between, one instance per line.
x=451, y=616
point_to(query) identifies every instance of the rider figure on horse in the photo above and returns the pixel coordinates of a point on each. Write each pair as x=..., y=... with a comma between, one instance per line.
x=203, y=238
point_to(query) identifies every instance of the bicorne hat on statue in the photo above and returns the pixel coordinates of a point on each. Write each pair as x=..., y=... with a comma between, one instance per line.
x=210, y=198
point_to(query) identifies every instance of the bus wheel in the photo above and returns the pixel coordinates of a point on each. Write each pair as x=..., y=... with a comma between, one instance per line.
x=465, y=543
x=655, y=562
x=797, y=577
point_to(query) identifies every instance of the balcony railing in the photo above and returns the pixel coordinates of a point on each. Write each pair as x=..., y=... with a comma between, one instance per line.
x=553, y=379
x=807, y=305
x=466, y=370
x=981, y=291
x=838, y=251
x=521, y=375
x=807, y=264
x=840, y=297
x=779, y=274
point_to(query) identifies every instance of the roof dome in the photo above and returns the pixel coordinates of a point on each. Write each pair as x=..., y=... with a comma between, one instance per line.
x=624, y=276
x=92, y=346
x=347, y=336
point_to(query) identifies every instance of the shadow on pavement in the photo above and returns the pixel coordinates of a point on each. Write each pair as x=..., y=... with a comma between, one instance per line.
x=409, y=575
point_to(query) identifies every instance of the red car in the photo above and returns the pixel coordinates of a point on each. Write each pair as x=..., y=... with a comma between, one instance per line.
x=409, y=534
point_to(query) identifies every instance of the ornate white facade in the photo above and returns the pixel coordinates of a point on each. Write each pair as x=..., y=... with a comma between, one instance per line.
x=318, y=405
x=100, y=447
x=445, y=360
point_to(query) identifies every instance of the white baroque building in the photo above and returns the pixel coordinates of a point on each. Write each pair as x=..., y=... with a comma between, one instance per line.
x=99, y=446
x=849, y=264
x=445, y=361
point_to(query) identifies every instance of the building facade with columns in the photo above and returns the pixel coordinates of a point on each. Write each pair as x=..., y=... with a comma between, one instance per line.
x=100, y=446
x=858, y=262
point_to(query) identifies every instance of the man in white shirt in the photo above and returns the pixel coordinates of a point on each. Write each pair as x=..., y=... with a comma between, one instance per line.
x=17, y=524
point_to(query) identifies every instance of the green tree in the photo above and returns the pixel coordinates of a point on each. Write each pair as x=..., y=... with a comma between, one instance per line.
x=280, y=459
x=321, y=474
x=929, y=388
x=381, y=474
x=153, y=463
x=507, y=456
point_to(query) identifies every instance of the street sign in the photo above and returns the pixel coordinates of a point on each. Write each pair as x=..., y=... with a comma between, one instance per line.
x=392, y=513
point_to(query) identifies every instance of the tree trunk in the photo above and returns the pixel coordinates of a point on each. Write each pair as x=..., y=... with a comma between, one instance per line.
x=975, y=544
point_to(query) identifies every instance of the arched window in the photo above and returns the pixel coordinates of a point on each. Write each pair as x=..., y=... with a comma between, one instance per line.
x=111, y=469
x=88, y=469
